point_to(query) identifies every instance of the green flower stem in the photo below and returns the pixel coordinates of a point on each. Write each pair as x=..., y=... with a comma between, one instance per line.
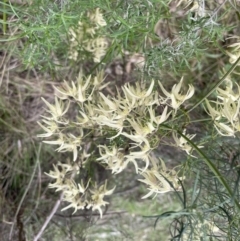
x=210, y=165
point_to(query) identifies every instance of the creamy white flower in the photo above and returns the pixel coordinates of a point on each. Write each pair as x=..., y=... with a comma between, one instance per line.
x=224, y=129
x=68, y=143
x=50, y=130
x=73, y=144
x=159, y=179
x=234, y=55
x=84, y=120
x=66, y=90
x=101, y=49
x=143, y=154
x=97, y=18
x=98, y=81
x=77, y=203
x=226, y=111
x=113, y=157
x=228, y=93
x=123, y=111
x=79, y=92
x=104, y=120
x=117, y=163
x=156, y=182
x=140, y=128
x=159, y=119
x=230, y=110
x=150, y=100
x=56, y=110
x=60, y=141
x=91, y=31
x=134, y=137
x=82, y=89
x=97, y=196
x=107, y=152
x=97, y=47
x=86, y=36
x=183, y=143
x=138, y=92
x=215, y=114
x=107, y=105
x=59, y=173
x=75, y=189
x=176, y=97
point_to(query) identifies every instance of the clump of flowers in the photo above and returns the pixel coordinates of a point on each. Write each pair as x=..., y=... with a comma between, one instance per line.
x=225, y=112
x=86, y=37
x=126, y=131
x=175, y=95
x=159, y=179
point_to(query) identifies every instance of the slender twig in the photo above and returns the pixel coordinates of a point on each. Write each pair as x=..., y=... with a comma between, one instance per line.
x=54, y=210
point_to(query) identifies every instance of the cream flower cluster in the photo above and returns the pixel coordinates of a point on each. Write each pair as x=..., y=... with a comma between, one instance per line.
x=86, y=37
x=159, y=179
x=225, y=112
x=176, y=97
x=120, y=130
x=78, y=195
